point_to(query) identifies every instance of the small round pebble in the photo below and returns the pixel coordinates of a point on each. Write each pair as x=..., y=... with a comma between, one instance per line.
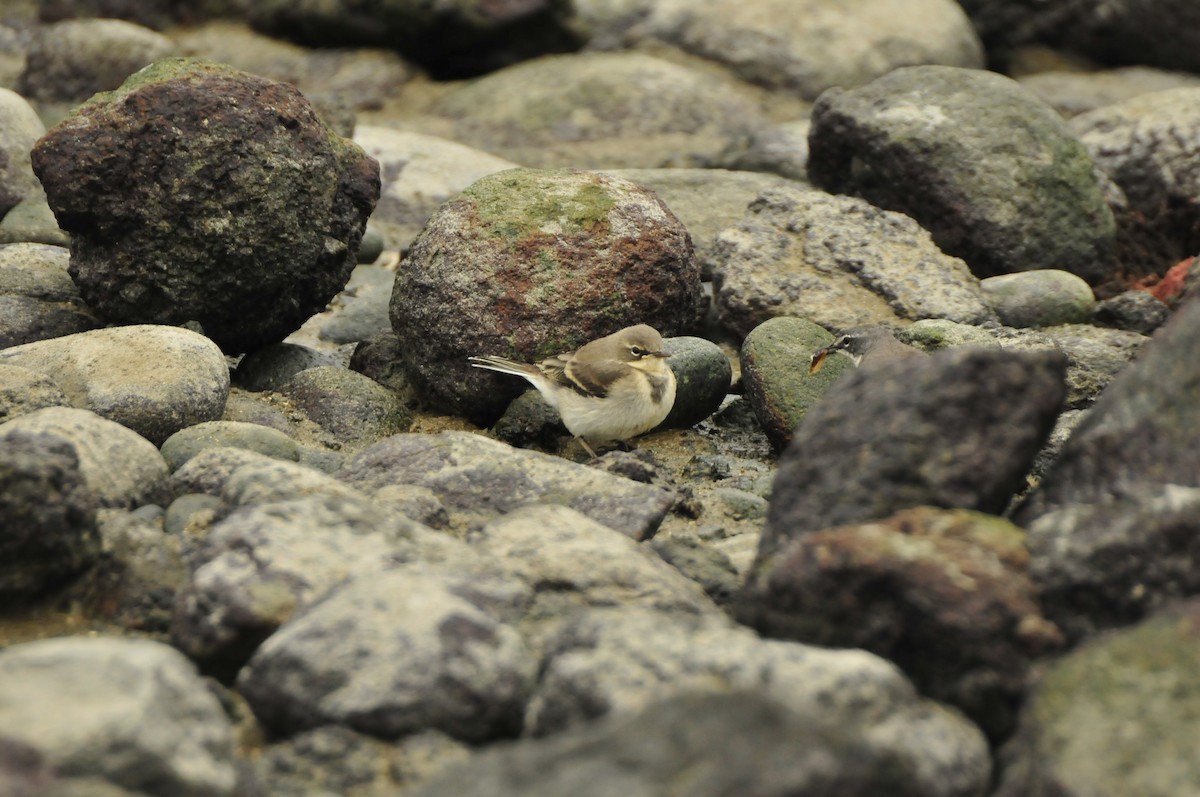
x=702, y=373
x=185, y=507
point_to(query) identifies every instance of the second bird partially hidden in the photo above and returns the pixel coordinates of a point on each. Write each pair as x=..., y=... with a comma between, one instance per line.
x=611, y=389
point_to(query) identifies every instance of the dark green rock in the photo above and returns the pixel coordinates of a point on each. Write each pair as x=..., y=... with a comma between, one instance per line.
x=978, y=160
x=1115, y=716
x=702, y=377
x=775, y=372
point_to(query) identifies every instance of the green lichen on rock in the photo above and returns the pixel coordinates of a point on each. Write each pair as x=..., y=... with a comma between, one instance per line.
x=525, y=204
x=1117, y=716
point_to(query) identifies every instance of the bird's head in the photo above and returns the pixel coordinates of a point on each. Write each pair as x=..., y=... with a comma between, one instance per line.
x=854, y=344
x=640, y=343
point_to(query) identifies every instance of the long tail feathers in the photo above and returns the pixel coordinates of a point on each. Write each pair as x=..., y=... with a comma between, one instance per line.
x=505, y=366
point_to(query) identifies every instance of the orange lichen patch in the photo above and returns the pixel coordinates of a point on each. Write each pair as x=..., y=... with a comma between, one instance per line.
x=1167, y=287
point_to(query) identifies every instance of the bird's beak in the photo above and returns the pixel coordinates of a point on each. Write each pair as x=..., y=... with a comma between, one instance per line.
x=818, y=360
x=663, y=354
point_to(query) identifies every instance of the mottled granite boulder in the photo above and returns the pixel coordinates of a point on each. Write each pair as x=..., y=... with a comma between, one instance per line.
x=527, y=264
x=199, y=193
x=838, y=261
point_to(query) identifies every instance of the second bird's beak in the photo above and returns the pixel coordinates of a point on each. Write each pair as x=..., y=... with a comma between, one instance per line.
x=818, y=360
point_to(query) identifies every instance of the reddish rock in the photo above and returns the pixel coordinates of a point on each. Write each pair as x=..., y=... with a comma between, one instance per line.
x=199, y=193
x=945, y=594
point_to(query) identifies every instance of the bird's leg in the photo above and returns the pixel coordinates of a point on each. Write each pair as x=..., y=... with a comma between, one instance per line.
x=586, y=447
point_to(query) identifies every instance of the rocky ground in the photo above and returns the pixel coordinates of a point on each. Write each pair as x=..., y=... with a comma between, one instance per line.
x=263, y=531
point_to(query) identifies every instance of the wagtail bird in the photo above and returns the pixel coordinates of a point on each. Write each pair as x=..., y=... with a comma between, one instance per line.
x=611, y=389
x=867, y=345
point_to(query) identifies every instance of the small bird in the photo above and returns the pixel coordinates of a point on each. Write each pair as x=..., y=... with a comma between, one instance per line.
x=869, y=345
x=611, y=389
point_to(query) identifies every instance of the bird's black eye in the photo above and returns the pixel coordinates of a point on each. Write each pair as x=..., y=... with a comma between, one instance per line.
x=638, y=351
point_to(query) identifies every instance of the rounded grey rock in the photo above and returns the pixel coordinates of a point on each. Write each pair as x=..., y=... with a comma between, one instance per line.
x=355, y=409
x=20, y=129
x=32, y=221
x=602, y=110
x=130, y=710
x=190, y=441
x=1134, y=311
x=797, y=47
x=418, y=173
x=121, y=468
x=372, y=245
x=361, y=310
x=37, y=298
x=1039, y=298
x=989, y=169
x=155, y=380
x=71, y=60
